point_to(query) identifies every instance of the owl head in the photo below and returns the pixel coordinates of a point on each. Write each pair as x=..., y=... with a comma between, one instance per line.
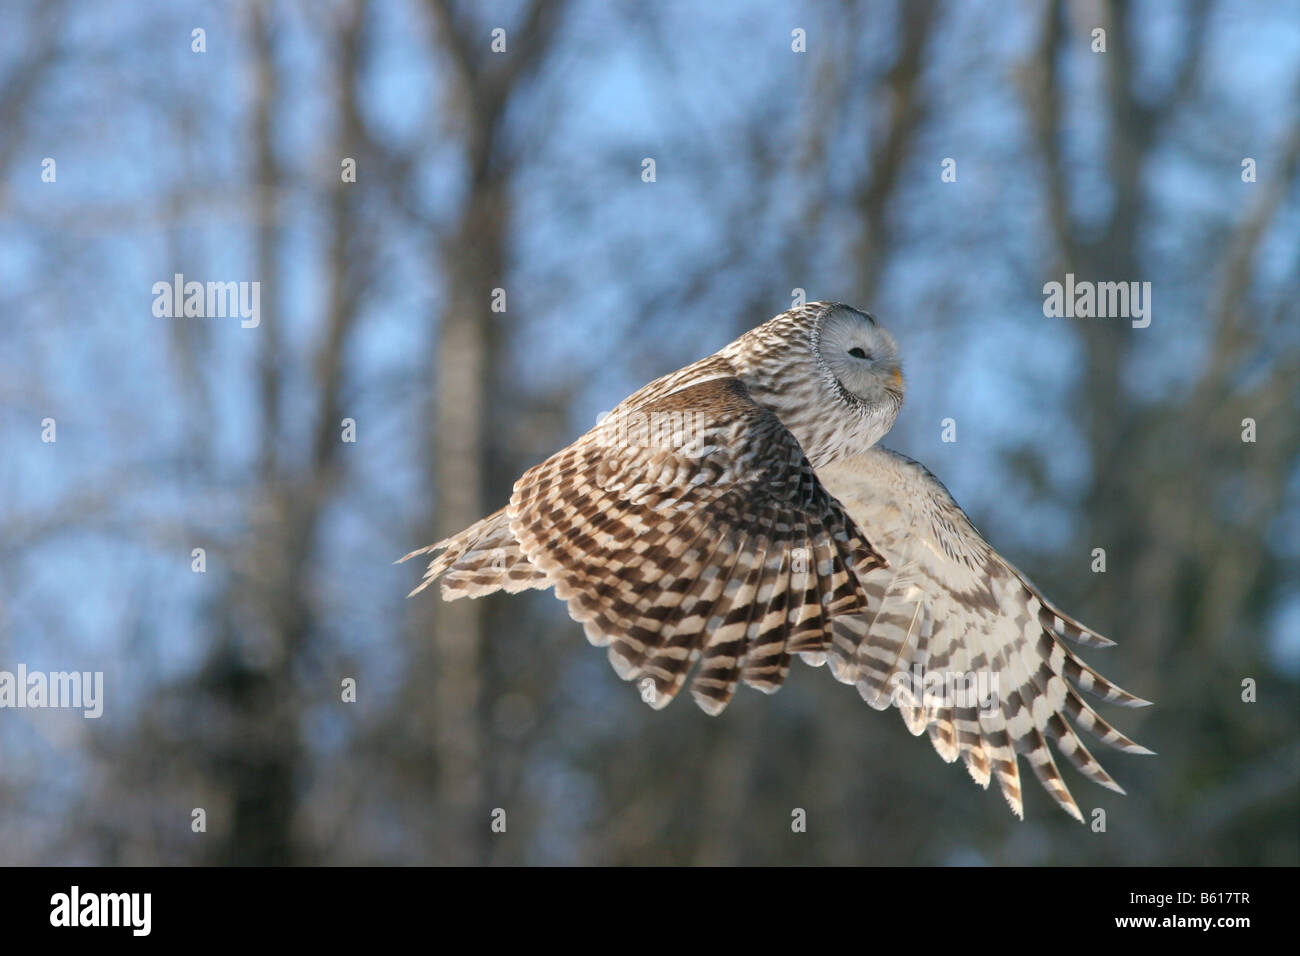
x=859, y=355
x=828, y=371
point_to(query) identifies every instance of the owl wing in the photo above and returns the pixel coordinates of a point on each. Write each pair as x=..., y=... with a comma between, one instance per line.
x=485, y=557
x=688, y=526
x=692, y=527
x=960, y=641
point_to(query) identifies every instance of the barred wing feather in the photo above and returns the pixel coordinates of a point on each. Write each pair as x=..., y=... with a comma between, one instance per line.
x=960, y=641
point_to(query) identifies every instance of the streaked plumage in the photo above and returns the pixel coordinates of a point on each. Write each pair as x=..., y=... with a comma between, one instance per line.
x=737, y=512
x=949, y=603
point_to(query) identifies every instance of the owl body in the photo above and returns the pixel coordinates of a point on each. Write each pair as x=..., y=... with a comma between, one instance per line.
x=738, y=512
x=785, y=369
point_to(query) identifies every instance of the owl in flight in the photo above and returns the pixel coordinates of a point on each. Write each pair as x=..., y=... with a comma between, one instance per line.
x=738, y=512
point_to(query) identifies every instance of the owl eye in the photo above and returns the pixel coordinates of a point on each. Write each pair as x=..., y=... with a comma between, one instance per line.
x=858, y=353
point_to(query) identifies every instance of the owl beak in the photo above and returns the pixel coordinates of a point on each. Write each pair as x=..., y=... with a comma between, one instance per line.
x=898, y=378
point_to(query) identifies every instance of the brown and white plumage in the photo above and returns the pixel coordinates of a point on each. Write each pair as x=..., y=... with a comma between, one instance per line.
x=735, y=513
x=949, y=604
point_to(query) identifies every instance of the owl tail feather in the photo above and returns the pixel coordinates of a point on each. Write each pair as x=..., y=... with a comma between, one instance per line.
x=483, y=558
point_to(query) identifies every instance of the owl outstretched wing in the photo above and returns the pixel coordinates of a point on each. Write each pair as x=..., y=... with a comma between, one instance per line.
x=960, y=641
x=688, y=526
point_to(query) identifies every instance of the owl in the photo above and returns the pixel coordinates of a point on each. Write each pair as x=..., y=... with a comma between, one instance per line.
x=739, y=512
